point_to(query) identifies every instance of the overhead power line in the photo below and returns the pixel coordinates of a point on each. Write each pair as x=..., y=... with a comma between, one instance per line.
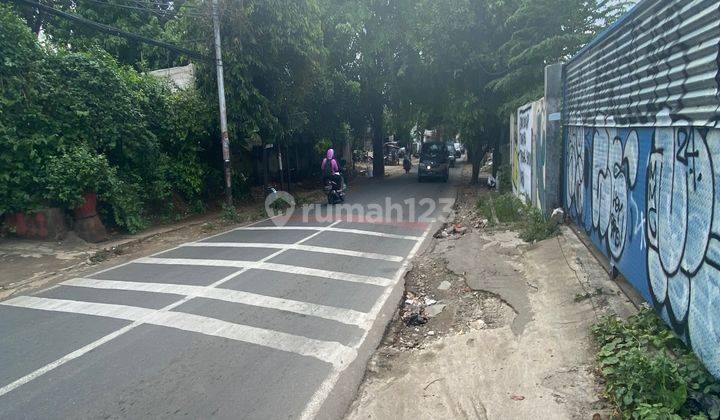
x=154, y=10
x=114, y=31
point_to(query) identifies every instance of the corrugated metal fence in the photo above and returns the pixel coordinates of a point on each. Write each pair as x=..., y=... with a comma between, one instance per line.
x=642, y=159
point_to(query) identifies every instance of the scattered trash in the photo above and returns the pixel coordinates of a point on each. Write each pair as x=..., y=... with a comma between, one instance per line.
x=460, y=230
x=431, y=333
x=558, y=215
x=416, y=319
x=429, y=301
x=491, y=182
x=517, y=397
x=481, y=224
x=445, y=285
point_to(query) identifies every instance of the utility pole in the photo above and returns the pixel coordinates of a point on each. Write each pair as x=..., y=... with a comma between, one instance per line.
x=221, y=99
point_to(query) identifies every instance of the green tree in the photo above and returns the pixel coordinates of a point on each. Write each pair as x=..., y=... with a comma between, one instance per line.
x=148, y=18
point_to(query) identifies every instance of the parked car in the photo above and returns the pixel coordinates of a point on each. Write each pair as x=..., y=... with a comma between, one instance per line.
x=434, y=162
x=451, y=153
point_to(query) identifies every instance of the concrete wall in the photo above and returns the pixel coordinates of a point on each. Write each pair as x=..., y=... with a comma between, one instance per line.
x=522, y=150
x=177, y=77
x=642, y=159
x=536, y=146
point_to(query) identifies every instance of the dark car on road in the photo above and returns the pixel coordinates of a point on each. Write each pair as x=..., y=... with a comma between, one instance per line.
x=434, y=161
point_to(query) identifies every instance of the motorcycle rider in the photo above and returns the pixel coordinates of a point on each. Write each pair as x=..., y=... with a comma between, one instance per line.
x=407, y=164
x=331, y=170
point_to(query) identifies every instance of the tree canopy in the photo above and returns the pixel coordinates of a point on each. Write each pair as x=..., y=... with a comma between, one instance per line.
x=298, y=73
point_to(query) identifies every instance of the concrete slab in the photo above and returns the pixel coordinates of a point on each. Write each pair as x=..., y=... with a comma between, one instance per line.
x=296, y=220
x=269, y=236
x=484, y=263
x=362, y=243
x=341, y=263
x=177, y=274
x=401, y=228
x=218, y=253
x=318, y=290
x=272, y=319
x=117, y=297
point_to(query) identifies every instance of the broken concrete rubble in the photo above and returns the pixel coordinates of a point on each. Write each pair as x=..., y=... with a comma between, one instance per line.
x=445, y=285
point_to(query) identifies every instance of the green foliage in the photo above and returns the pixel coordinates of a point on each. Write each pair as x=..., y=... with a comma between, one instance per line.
x=650, y=374
x=537, y=227
x=509, y=210
x=505, y=178
x=322, y=146
x=20, y=163
x=296, y=72
x=73, y=122
x=73, y=173
x=124, y=205
x=230, y=214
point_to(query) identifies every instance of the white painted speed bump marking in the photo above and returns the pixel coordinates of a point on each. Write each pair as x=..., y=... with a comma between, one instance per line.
x=321, y=394
x=326, y=351
x=282, y=268
x=115, y=334
x=334, y=229
x=345, y=316
x=309, y=248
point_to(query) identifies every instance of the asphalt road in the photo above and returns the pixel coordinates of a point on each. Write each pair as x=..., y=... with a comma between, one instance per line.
x=261, y=322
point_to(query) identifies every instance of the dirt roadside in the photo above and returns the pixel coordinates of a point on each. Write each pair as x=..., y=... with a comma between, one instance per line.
x=493, y=328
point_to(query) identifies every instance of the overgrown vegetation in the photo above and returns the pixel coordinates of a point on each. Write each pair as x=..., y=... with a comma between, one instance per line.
x=650, y=373
x=300, y=75
x=507, y=209
x=78, y=122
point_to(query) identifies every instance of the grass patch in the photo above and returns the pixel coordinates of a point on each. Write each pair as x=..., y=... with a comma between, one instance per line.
x=650, y=373
x=507, y=209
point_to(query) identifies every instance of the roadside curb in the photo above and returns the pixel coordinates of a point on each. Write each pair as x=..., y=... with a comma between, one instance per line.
x=339, y=399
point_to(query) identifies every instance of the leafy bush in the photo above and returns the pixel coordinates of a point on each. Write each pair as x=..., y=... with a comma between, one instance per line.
x=511, y=211
x=537, y=227
x=650, y=373
x=20, y=162
x=71, y=174
x=73, y=122
x=124, y=206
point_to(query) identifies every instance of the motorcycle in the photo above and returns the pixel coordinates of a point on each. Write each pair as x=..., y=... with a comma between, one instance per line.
x=334, y=191
x=407, y=165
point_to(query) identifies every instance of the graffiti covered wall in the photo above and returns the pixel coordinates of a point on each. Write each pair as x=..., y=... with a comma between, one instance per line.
x=642, y=160
x=522, y=154
x=528, y=152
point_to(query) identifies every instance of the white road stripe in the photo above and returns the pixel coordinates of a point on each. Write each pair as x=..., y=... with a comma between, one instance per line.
x=334, y=229
x=321, y=394
x=330, y=352
x=309, y=248
x=113, y=335
x=282, y=268
x=345, y=316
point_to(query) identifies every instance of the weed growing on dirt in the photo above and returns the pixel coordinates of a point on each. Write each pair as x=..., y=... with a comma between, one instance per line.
x=650, y=373
x=510, y=210
x=230, y=214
